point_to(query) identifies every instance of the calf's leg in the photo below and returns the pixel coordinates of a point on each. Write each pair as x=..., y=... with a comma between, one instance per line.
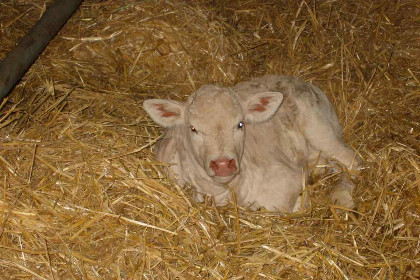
x=324, y=134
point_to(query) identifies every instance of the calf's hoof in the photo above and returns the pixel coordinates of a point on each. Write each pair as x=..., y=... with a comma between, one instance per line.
x=342, y=197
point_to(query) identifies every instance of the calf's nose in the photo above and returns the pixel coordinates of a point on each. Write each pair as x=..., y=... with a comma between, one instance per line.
x=223, y=167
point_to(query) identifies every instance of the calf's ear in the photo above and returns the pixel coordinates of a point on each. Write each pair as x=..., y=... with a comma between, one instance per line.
x=262, y=106
x=166, y=113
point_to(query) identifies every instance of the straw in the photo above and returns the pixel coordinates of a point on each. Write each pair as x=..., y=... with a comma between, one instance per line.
x=83, y=197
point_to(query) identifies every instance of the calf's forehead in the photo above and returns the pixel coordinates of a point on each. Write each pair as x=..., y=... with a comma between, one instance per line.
x=213, y=103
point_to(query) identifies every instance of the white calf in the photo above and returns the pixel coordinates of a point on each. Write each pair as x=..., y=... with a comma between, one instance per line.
x=255, y=137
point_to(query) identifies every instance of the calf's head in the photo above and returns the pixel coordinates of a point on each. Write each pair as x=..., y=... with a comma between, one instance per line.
x=212, y=122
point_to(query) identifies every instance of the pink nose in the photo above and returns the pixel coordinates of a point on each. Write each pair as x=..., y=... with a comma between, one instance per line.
x=223, y=167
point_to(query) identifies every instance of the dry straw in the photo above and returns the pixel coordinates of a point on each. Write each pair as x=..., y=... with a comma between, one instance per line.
x=82, y=197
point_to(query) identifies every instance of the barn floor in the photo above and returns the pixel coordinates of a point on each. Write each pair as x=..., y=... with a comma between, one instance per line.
x=81, y=196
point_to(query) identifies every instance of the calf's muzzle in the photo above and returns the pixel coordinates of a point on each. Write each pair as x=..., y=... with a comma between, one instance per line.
x=223, y=167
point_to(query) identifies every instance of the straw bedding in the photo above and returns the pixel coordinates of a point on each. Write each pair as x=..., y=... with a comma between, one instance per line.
x=82, y=197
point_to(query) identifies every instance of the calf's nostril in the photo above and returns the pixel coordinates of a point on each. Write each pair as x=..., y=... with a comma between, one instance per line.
x=213, y=165
x=232, y=164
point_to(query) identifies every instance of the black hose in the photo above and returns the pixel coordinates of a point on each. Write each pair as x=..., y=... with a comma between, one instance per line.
x=18, y=61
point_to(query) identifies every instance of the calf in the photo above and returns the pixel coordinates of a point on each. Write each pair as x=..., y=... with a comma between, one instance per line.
x=254, y=138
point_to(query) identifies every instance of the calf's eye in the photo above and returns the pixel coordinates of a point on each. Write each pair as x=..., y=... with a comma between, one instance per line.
x=193, y=128
x=241, y=125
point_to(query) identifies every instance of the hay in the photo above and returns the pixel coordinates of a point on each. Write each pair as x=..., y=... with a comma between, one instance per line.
x=82, y=196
